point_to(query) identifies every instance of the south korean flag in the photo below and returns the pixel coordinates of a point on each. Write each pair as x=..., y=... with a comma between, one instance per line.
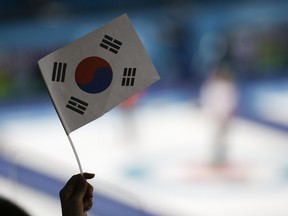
x=95, y=73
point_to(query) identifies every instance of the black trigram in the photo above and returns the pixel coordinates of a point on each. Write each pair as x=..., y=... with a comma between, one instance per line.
x=59, y=72
x=77, y=105
x=128, y=76
x=111, y=44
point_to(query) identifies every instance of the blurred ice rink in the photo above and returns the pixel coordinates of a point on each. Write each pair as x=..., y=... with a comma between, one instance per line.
x=164, y=166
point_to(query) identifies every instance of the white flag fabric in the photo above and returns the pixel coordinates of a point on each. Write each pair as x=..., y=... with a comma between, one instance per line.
x=95, y=73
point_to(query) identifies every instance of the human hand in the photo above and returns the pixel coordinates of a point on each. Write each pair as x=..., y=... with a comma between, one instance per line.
x=77, y=195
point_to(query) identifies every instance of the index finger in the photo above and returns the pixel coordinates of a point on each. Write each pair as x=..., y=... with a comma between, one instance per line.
x=88, y=175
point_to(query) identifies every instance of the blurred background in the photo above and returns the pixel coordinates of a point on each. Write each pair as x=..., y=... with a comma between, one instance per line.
x=208, y=139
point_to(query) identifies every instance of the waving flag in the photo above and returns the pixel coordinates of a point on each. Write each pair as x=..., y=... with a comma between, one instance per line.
x=95, y=73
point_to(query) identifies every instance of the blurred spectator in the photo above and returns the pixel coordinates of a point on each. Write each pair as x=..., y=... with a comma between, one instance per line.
x=8, y=208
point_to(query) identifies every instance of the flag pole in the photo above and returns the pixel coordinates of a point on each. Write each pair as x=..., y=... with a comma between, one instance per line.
x=75, y=153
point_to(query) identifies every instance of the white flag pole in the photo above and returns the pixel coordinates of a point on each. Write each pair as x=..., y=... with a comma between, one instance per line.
x=75, y=153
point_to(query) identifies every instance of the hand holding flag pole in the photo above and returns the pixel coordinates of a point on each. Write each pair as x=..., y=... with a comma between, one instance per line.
x=95, y=73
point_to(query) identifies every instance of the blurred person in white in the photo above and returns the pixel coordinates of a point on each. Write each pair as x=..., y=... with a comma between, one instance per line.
x=219, y=99
x=128, y=110
x=76, y=198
